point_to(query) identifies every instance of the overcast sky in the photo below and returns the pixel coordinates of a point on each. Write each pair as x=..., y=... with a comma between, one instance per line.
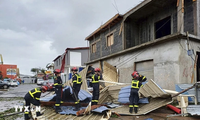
x=34, y=32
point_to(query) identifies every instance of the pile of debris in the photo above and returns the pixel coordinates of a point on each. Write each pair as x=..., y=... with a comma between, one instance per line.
x=113, y=99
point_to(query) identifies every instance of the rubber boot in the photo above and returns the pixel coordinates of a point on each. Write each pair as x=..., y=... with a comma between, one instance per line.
x=76, y=107
x=131, y=109
x=38, y=114
x=58, y=109
x=79, y=105
x=26, y=117
x=94, y=103
x=135, y=109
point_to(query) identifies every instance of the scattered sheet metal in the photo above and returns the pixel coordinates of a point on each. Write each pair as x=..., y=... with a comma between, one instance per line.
x=68, y=110
x=151, y=89
x=100, y=109
x=67, y=92
x=154, y=103
x=112, y=105
x=157, y=98
x=48, y=98
x=181, y=87
x=49, y=114
x=193, y=109
x=124, y=94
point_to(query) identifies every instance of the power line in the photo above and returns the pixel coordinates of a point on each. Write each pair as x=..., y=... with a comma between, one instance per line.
x=115, y=6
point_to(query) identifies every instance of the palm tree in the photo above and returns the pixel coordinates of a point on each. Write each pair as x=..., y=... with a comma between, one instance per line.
x=35, y=70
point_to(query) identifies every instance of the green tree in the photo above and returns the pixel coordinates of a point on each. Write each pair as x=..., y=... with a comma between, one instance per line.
x=35, y=70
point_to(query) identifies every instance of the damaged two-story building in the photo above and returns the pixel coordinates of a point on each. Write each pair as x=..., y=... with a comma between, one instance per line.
x=158, y=38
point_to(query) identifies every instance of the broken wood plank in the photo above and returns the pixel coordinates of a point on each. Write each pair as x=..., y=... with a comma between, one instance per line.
x=81, y=112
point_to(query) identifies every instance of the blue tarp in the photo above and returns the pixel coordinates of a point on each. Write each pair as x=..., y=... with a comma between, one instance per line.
x=124, y=94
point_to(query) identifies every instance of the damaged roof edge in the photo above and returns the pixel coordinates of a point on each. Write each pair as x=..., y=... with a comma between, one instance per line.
x=104, y=25
x=159, y=40
x=137, y=7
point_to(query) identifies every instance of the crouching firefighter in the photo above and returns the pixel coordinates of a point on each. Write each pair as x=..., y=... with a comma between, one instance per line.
x=95, y=84
x=77, y=82
x=134, y=96
x=58, y=89
x=33, y=97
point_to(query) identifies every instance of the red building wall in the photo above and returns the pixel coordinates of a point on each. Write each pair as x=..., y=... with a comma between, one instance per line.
x=9, y=71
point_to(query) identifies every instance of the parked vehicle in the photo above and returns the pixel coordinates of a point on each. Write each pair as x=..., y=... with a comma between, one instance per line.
x=14, y=83
x=7, y=81
x=40, y=81
x=4, y=85
x=49, y=83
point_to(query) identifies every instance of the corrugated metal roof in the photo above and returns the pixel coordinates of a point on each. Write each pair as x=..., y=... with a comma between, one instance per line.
x=154, y=103
x=158, y=99
x=100, y=109
x=49, y=114
x=193, y=109
x=181, y=87
x=151, y=89
x=124, y=94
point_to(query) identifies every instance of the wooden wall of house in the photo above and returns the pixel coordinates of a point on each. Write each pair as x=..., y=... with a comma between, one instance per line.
x=100, y=40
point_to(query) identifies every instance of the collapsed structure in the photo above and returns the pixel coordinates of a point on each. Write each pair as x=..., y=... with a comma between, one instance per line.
x=110, y=98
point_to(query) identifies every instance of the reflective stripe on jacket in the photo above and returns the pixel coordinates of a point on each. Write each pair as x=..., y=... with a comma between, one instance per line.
x=35, y=93
x=136, y=84
x=77, y=79
x=57, y=81
x=94, y=80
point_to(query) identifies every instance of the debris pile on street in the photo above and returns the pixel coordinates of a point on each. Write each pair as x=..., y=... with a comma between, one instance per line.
x=113, y=99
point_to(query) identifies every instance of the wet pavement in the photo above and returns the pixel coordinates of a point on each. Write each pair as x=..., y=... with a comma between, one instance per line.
x=14, y=97
x=19, y=91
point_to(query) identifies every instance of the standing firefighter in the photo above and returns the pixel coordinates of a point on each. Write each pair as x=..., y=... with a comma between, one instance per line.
x=135, y=86
x=33, y=96
x=77, y=82
x=95, y=84
x=58, y=89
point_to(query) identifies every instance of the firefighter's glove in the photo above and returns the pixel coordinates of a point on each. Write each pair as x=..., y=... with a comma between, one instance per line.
x=63, y=86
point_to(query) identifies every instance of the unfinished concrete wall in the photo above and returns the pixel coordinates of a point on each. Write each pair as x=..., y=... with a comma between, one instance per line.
x=188, y=16
x=165, y=57
x=187, y=63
